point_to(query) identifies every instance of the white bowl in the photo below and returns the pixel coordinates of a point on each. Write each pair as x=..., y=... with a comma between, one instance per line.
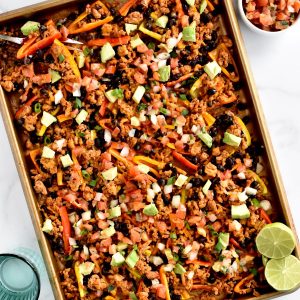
x=255, y=29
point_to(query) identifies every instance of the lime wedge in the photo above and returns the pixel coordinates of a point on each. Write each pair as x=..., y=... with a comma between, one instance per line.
x=275, y=241
x=283, y=274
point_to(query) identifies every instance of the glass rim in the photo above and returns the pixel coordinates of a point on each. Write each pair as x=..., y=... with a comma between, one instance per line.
x=31, y=265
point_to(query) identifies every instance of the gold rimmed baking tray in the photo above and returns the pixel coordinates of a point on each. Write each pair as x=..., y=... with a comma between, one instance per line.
x=231, y=27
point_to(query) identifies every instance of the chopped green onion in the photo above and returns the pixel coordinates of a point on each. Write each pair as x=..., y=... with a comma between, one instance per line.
x=187, y=225
x=171, y=180
x=47, y=140
x=182, y=97
x=77, y=103
x=85, y=174
x=37, y=107
x=84, y=231
x=133, y=296
x=61, y=58
x=255, y=202
x=118, y=93
x=86, y=51
x=69, y=257
x=132, y=259
x=253, y=271
x=173, y=54
x=164, y=111
x=142, y=106
x=97, y=127
x=185, y=112
x=110, y=288
x=151, y=45
x=93, y=182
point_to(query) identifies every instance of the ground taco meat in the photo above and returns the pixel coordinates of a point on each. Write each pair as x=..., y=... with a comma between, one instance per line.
x=139, y=148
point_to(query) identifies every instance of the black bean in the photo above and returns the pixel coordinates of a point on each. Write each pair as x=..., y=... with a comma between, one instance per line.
x=161, y=181
x=230, y=162
x=137, y=146
x=203, y=60
x=201, y=171
x=230, y=68
x=213, y=131
x=175, y=76
x=238, y=154
x=105, y=267
x=172, y=22
x=237, y=85
x=99, y=143
x=201, y=239
x=241, y=106
x=175, y=297
x=224, y=121
x=220, y=167
x=48, y=182
x=49, y=59
x=218, y=10
x=211, y=92
x=53, y=195
x=147, y=281
x=254, y=184
x=211, y=278
x=196, y=182
x=72, y=16
x=165, y=199
x=122, y=227
x=246, y=119
x=174, y=172
x=194, y=196
x=206, y=17
x=138, y=133
x=193, y=159
x=199, y=73
x=209, y=103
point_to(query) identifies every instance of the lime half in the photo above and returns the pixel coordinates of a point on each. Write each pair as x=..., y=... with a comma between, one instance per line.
x=275, y=241
x=283, y=274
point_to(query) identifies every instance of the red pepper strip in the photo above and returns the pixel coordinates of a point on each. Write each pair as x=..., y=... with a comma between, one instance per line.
x=66, y=228
x=123, y=11
x=210, y=6
x=182, y=78
x=103, y=108
x=184, y=161
x=113, y=41
x=21, y=109
x=199, y=263
x=25, y=47
x=164, y=281
x=26, y=50
x=235, y=244
x=202, y=287
x=88, y=26
x=179, y=9
x=264, y=216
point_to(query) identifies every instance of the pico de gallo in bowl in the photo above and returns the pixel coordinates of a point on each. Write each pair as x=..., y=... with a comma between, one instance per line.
x=270, y=15
x=148, y=175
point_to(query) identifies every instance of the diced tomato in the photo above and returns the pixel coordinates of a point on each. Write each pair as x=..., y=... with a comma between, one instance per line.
x=139, y=78
x=262, y=2
x=142, y=48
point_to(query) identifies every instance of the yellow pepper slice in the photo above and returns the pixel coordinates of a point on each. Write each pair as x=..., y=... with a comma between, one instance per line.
x=42, y=131
x=140, y=159
x=257, y=178
x=59, y=177
x=82, y=289
x=214, y=56
x=208, y=118
x=63, y=118
x=171, y=146
x=153, y=34
x=164, y=281
x=244, y=129
x=68, y=57
x=210, y=6
x=117, y=155
x=195, y=89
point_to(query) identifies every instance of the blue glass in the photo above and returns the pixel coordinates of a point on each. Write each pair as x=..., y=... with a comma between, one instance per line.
x=19, y=278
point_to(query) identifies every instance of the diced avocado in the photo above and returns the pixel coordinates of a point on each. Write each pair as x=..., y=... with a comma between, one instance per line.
x=223, y=241
x=212, y=69
x=190, y=2
x=30, y=27
x=107, y=52
x=180, y=181
x=162, y=21
x=47, y=227
x=189, y=33
x=179, y=269
x=117, y=259
x=55, y=76
x=110, y=174
x=150, y=210
x=134, y=121
x=114, y=212
x=138, y=94
x=122, y=246
x=48, y=153
x=80, y=118
x=164, y=73
x=203, y=5
x=66, y=160
x=132, y=259
x=86, y=268
x=47, y=119
x=136, y=41
x=205, y=137
x=130, y=27
x=231, y=139
x=206, y=187
x=143, y=168
x=240, y=212
x=80, y=59
x=108, y=232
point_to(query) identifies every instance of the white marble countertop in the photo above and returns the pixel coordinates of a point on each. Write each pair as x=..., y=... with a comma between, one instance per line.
x=276, y=66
